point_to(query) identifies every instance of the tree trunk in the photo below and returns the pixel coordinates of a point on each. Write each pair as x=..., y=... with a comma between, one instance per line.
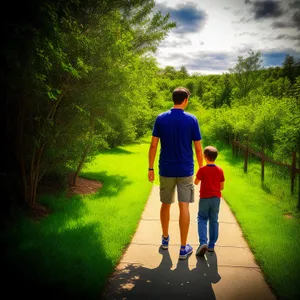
x=82, y=160
x=88, y=146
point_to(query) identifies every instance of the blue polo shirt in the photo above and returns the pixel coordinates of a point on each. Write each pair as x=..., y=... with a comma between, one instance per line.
x=177, y=130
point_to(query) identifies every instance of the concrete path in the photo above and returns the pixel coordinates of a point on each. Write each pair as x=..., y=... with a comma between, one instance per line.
x=147, y=272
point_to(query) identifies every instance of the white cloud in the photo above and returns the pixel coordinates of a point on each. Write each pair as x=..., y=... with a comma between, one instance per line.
x=220, y=31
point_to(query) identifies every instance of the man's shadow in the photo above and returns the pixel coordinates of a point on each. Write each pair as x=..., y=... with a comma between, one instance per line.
x=138, y=282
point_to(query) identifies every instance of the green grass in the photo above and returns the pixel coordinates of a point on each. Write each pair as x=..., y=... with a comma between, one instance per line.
x=72, y=252
x=273, y=238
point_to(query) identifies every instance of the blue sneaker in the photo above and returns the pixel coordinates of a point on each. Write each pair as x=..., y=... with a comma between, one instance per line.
x=184, y=253
x=165, y=242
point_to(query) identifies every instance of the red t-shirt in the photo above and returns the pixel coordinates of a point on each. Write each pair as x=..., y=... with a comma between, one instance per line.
x=211, y=176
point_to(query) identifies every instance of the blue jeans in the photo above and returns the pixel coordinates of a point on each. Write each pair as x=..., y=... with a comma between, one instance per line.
x=208, y=211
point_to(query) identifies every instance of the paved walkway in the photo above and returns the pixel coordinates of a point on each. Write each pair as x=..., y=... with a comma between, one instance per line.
x=147, y=272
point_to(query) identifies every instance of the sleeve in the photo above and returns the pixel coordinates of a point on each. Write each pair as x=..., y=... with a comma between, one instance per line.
x=196, y=135
x=156, y=131
x=199, y=174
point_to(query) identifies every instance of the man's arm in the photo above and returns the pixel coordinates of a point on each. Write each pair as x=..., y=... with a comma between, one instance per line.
x=199, y=153
x=151, y=157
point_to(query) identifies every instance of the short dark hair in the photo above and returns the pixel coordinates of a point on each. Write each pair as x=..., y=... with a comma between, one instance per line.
x=211, y=153
x=179, y=94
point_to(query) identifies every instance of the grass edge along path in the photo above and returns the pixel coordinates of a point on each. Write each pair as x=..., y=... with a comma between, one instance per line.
x=75, y=249
x=273, y=238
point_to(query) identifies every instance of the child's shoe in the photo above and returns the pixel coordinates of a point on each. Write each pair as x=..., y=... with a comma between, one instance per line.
x=165, y=242
x=201, y=250
x=185, y=252
x=211, y=249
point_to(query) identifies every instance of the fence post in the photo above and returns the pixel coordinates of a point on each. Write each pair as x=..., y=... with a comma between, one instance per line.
x=262, y=164
x=246, y=157
x=293, y=172
x=233, y=145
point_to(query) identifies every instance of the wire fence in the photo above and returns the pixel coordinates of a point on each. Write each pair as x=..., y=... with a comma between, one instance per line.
x=236, y=145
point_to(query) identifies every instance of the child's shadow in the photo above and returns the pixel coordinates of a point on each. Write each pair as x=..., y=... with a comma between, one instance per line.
x=138, y=282
x=197, y=283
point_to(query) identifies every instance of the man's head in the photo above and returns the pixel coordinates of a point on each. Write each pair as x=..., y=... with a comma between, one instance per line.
x=179, y=94
x=210, y=153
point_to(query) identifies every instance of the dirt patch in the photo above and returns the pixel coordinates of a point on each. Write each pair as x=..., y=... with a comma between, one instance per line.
x=38, y=212
x=83, y=186
x=289, y=216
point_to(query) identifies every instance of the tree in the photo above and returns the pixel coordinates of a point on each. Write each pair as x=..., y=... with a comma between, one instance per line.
x=169, y=72
x=62, y=62
x=200, y=88
x=139, y=34
x=245, y=75
x=225, y=84
x=289, y=68
x=182, y=73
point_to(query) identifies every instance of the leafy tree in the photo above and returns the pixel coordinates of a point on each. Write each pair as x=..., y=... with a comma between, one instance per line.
x=245, y=74
x=200, y=88
x=182, y=73
x=75, y=56
x=266, y=122
x=289, y=68
x=190, y=85
x=287, y=136
x=278, y=88
x=169, y=72
x=225, y=97
x=296, y=89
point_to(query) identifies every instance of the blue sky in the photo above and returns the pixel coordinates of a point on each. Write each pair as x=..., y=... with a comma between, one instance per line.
x=211, y=34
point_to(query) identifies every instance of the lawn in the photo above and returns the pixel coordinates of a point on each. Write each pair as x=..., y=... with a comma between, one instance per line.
x=74, y=250
x=273, y=237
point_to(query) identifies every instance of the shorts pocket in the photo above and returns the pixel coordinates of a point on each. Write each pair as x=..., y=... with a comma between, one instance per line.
x=192, y=196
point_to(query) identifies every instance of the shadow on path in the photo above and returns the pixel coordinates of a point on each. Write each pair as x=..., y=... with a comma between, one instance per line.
x=138, y=282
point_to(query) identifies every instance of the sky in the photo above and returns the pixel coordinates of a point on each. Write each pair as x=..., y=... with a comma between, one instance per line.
x=212, y=34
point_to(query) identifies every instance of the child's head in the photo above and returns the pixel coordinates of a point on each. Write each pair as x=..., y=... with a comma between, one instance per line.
x=210, y=153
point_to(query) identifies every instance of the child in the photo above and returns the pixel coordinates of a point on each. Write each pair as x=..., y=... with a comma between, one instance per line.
x=212, y=182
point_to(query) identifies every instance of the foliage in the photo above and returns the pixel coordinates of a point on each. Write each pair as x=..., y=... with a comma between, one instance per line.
x=76, y=76
x=245, y=73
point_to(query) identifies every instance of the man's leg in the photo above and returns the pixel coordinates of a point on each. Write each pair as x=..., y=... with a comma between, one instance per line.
x=185, y=188
x=184, y=221
x=165, y=218
x=167, y=197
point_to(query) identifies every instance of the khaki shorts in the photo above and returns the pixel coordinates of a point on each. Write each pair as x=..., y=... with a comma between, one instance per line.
x=185, y=189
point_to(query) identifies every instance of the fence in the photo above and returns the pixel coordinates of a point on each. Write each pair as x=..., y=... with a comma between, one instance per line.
x=294, y=171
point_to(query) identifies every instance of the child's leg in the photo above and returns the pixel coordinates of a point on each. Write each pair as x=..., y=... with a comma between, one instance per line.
x=202, y=220
x=213, y=221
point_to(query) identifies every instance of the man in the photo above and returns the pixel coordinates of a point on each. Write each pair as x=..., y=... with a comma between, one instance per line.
x=176, y=130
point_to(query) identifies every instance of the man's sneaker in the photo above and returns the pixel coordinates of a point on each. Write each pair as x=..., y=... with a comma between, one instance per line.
x=211, y=249
x=201, y=250
x=165, y=242
x=184, y=253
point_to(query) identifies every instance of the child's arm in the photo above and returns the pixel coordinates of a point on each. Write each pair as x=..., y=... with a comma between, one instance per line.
x=198, y=175
x=196, y=181
x=221, y=185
